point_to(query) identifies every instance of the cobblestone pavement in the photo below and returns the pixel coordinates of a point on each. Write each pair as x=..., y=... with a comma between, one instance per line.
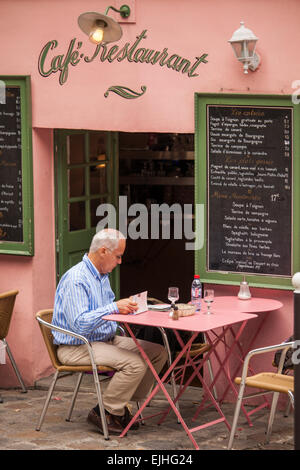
x=19, y=414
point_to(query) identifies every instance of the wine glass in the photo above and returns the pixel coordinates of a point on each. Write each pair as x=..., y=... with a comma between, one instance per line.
x=209, y=297
x=173, y=294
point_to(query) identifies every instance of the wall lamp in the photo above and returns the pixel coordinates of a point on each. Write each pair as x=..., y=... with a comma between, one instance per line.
x=102, y=28
x=243, y=43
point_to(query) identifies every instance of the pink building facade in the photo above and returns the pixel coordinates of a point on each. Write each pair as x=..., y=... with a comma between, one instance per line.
x=71, y=82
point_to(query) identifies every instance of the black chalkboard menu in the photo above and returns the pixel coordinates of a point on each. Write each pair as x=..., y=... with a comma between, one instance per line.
x=16, y=187
x=249, y=164
x=11, y=212
x=247, y=192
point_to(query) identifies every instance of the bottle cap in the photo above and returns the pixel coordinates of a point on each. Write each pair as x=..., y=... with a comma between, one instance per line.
x=196, y=276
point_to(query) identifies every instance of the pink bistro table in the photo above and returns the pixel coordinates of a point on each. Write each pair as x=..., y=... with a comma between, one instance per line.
x=221, y=318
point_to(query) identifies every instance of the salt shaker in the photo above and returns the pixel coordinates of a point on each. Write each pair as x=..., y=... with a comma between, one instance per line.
x=244, y=292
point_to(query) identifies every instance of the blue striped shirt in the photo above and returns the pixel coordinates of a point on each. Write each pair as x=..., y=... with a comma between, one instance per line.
x=82, y=298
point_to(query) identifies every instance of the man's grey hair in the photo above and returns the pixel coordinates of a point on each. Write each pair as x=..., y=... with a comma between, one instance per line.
x=108, y=237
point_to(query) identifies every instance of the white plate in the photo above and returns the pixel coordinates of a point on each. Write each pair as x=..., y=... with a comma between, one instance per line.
x=159, y=307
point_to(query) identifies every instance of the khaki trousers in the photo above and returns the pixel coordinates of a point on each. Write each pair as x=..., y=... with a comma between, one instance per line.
x=133, y=378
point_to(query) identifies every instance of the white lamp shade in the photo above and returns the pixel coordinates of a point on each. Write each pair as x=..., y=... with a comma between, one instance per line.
x=243, y=42
x=112, y=31
x=243, y=34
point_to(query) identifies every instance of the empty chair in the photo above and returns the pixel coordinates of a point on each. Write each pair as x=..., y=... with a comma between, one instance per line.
x=7, y=302
x=196, y=351
x=44, y=317
x=269, y=382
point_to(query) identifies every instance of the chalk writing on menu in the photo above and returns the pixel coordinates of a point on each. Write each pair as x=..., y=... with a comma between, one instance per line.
x=249, y=154
x=11, y=212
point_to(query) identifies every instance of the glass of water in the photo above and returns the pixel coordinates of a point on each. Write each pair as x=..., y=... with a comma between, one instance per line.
x=173, y=294
x=209, y=297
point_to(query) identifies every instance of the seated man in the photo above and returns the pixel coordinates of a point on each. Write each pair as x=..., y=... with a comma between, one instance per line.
x=82, y=300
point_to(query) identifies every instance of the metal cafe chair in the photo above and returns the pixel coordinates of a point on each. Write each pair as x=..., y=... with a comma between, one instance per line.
x=196, y=352
x=269, y=382
x=7, y=303
x=44, y=318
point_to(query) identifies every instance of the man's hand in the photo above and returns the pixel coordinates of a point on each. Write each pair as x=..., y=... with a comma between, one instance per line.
x=126, y=306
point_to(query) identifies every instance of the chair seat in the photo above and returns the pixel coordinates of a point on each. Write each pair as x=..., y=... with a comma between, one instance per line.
x=197, y=348
x=270, y=381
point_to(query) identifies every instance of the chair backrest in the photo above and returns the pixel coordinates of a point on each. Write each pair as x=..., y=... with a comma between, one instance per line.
x=46, y=315
x=7, y=302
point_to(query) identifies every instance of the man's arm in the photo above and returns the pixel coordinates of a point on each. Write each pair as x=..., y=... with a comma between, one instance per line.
x=75, y=303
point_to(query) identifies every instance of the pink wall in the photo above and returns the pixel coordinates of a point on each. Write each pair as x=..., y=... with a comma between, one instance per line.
x=188, y=29
x=33, y=277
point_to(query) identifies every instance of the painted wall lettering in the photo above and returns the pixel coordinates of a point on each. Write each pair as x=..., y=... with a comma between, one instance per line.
x=50, y=62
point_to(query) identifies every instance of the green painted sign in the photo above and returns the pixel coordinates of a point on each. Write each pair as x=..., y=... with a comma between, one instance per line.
x=16, y=177
x=247, y=179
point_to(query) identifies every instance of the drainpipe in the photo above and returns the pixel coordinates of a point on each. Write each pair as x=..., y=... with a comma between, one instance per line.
x=296, y=284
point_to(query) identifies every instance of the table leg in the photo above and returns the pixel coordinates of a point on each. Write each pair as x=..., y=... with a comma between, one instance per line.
x=211, y=373
x=222, y=364
x=228, y=352
x=205, y=387
x=173, y=382
x=161, y=386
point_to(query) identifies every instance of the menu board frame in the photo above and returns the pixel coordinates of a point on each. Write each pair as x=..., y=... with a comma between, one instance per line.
x=202, y=263
x=25, y=247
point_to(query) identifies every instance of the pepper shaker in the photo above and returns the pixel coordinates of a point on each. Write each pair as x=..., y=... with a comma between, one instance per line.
x=174, y=313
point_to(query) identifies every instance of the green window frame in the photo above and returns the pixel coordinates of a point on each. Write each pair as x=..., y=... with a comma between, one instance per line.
x=202, y=102
x=24, y=247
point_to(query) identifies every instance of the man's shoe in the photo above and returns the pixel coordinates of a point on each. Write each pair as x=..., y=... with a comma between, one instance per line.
x=113, y=426
x=127, y=418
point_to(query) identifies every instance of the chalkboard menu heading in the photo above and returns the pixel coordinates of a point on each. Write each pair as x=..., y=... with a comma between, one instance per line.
x=16, y=212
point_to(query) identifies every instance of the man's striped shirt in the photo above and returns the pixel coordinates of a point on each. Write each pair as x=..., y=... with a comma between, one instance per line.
x=83, y=297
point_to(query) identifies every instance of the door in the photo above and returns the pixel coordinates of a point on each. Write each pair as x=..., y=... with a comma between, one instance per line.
x=86, y=175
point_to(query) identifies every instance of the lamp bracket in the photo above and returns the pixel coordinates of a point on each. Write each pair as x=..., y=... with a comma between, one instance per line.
x=124, y=10
x=255, y=61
